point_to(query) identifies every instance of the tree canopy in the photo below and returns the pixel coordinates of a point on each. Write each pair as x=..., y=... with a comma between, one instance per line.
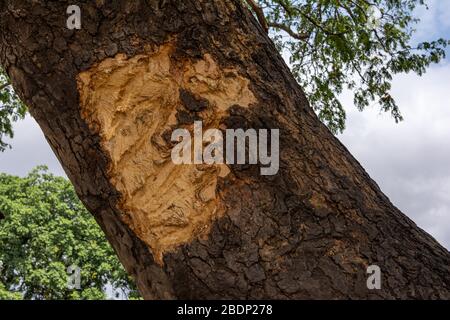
x=350, y=44
x=332, y=45
x=11, y=109
x=44, y=229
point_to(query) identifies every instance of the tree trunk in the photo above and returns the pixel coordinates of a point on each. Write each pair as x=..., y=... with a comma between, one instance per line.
x=107, y=97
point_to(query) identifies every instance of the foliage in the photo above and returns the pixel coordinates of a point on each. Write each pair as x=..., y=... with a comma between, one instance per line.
x=45, y=230
x=7, y=295
x=353, y=44
x=11, y=109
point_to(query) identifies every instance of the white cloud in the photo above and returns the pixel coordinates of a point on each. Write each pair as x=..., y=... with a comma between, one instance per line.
x=30, y=149
x=433, y=21
x=410, y=160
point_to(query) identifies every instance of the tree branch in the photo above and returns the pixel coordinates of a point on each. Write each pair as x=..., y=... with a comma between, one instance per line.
x=293, y=34
x=263, y=22
x=290, y=12
x=259, y=14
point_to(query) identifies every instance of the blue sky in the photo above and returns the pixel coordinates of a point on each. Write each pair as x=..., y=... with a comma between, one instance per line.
x=410, y=160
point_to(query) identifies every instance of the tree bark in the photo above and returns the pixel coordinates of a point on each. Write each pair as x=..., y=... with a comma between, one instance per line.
x=105, y=97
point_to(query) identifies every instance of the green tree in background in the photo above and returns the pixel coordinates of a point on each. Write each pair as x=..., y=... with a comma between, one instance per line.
x=11, y=109
x=8, y=295
x=332, y=45
x=44, y=229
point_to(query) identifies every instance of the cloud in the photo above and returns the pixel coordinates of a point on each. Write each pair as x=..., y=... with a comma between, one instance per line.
x=30, y=149
x=434, y=21
x=410, y=160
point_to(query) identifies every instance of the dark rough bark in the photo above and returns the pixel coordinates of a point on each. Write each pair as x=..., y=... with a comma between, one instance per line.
x=308, y=232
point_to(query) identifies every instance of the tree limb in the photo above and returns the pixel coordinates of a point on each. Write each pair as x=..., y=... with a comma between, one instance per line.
x=293, y=34
x=262, y=20
x=290, y=12
x=259, y=14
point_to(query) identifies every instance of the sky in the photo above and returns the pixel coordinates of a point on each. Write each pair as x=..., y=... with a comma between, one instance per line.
x=410, y=161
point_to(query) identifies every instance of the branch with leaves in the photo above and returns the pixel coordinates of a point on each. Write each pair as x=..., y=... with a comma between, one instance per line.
x=341, y=45
x=259, y=12
x=289, y=31
x=11, y=109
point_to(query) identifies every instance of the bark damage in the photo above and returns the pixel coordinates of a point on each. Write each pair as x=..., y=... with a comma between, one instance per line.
x=134, y=105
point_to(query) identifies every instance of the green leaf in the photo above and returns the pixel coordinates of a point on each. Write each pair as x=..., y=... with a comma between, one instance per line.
x=45, y=230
